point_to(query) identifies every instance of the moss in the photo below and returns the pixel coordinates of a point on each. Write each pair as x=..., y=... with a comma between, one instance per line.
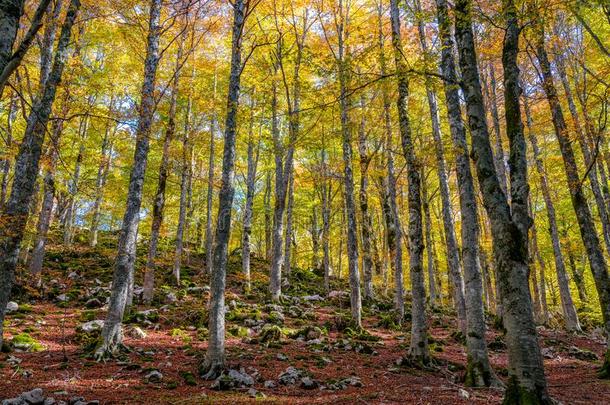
x=476, y=375
x=86, y=316
x=189, y=378
x=238, y=331
x=270, y=334
x=359, y=333
x=518, y=395
x=25, y=342
x=202, y=333
x=180, y=334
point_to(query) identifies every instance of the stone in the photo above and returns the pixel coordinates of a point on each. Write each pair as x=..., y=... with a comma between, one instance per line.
x=73, y=275
x=11, y=306
x=14, y=401
x=276, y=317
x=232, y=379
x=547, y=353
x=13, y=361
x=463, y=393
x=92, y=326
x=270, y=384
x=93, y=303
x=171, y=298
x=137, y=333
x=154, y=376
x=281, y=357
x=309, y=383
x=62, y=298
x=290, y=376
x=33, y=397
x=336, y=294
x=315, y=297
x=582, y=354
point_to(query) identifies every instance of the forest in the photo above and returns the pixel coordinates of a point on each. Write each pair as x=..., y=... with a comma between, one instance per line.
x=304, y=201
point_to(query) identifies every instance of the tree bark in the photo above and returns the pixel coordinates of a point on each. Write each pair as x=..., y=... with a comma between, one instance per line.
x=567, y=305
x=126, y=250
x=418, y=352
x=15, y=214
x=452, y=249
x=479, y=371
x=367, y=223
x=214, y=360
x=250, y=190
x=583, y=214
x=509, y=223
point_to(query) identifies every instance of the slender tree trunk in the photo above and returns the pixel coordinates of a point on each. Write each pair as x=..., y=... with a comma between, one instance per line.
x=215, y=355
x=567, y=305
x=326, y=194
x=509, y=222
x=418, y=352
x=429, y=246
x=159, y=201
x=102, y=176
x=540, y=288
x=209, y=237
x=6, y=161
x=479, y=371
x=185, y=190
x=126, y=251
x=583, y=214
x=267, y=207
x=289, y=226
x=393, y=234
x=343, y=65
x=577, y=275
x=15, y=214
x=250, y=190
x=44, y=218
x=367, y=223
x=499, y=155
x=452, y=248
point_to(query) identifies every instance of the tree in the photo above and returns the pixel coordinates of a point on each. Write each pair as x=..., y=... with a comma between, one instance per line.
x=122, y=280
x=15, y=214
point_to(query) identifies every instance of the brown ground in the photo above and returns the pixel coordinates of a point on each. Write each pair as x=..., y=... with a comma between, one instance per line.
x=571, y=381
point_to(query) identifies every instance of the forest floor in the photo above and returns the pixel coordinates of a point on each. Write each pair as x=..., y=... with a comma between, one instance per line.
x=75, y=286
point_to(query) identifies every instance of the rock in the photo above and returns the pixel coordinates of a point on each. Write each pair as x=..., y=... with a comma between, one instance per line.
x=342, y=384
x=137, y=333
x=93, y=303
x=233, y=379
x=252, y=393
x=73, y=275
x=49, y=401
x=281, y=357
x=547, y=352
x=196, y=290
x=314, y=342
x=11, y=306
x=171, y=298
x=62, y=298
x=582, y=354
x=316, y=297
x=154, y=376
x=270, y=384
x=276, y=317
x=290, y=376
x=14, y=401
x=33, y=397
x=92, y=326
x=463, y=394
x=13, y=361
x=336, y=294
x=308, y=383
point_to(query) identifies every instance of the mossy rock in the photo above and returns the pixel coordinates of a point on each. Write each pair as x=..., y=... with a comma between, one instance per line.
x=26, y=343
x=308, y=333
x=270, y=334
x=239, y=331
x=189, y=378
x=359, y=333
x=180, y=334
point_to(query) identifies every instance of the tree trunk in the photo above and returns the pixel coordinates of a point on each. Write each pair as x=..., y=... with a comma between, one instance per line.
x=185, y=190
x=267, y=206
x=479, y=371
x=102, y=176
x=577, y=275
x=126, y=250
x=583, y=214
x=393, y=234
x=214, y=360
x=343, y=66
x=429, y=246
x=159, y=201
x=15, y=214
x=452, y=249
x=418, y=352
x=367, y=223
x=250, y=190
x=509, y=223
x=10, y=14
x=326, y=200
x=44, y=218
x=567, y=305
x=209, y=237
x=289, y=226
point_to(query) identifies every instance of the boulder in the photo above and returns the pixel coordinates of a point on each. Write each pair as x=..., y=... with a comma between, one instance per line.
x=290, y=376
x=154, y=376
x=137, y=333
x=92, y=326
x=309, y=383
x=11, y=306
